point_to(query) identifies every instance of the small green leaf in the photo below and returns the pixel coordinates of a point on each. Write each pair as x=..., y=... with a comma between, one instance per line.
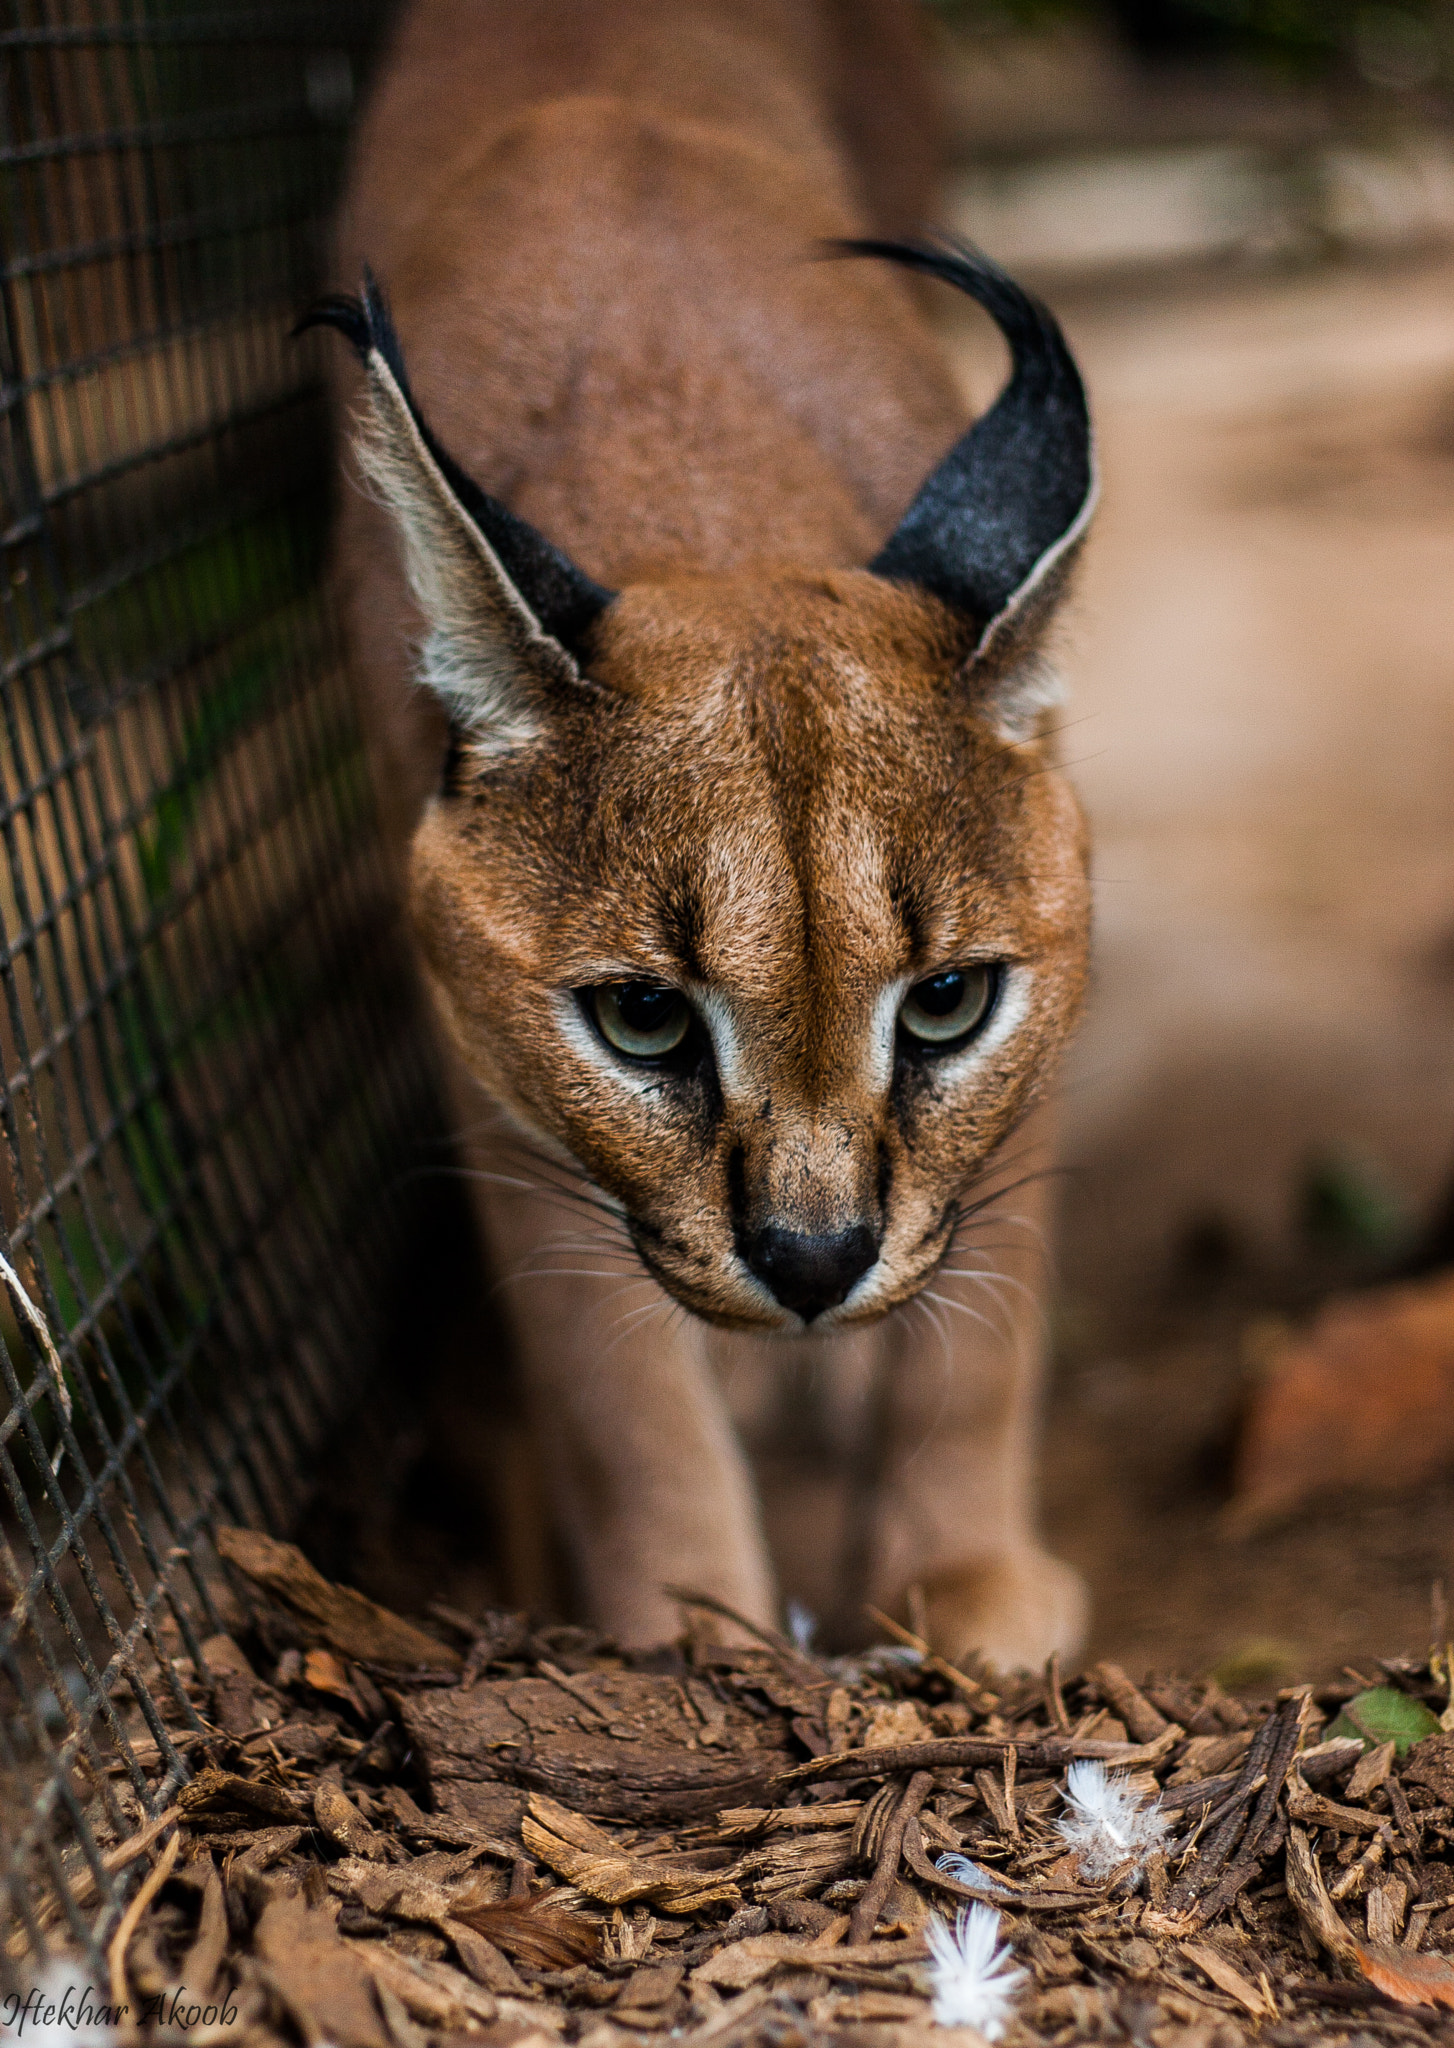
x=1385, y=1715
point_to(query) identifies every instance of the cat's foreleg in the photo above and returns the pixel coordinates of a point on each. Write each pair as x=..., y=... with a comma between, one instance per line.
x=647, y=1483
x=957, y=1424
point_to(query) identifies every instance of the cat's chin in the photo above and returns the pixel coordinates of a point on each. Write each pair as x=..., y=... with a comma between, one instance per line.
x=746, y=1320
x=746, y=1317
x=740, y=1308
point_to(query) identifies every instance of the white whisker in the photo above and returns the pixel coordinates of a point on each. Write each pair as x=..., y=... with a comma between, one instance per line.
x=567, y=1273
x=633, y=1320
x=994, y=1282
x=946, y=1375
x=937, y=1325
x=1025, y=1223
x=987, y=1277
x=540, y=1191
x=963, y=1308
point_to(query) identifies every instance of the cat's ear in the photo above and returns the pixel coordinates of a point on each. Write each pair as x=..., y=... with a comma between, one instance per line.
x=507, y=611
x=994, y=530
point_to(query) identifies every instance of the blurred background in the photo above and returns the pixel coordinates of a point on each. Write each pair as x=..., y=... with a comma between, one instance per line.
x=1243, y=211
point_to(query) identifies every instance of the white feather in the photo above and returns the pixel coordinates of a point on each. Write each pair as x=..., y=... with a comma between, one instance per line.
x=974, y=1979
x=1108, y=1824
x=963, y=1871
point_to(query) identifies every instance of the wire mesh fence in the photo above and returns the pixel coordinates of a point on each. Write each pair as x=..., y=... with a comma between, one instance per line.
x=211, y=1086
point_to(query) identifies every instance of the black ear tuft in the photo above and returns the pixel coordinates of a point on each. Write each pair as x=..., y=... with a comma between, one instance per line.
x=566, y=601
x=342, y=311
x=1012, y=497
x=365, y=322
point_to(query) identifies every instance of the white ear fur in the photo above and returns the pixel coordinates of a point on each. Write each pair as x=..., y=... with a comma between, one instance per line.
x=486, y=652
x=1018, y=700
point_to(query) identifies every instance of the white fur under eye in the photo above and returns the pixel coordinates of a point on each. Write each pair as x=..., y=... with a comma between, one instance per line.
x=716, y=1013
x=883, y=1034
x=1011, y=1008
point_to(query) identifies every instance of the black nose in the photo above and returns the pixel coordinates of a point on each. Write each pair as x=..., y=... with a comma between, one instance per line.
x=810, y=1271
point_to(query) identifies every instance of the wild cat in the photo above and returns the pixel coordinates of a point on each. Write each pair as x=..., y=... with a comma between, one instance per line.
x=703, y=656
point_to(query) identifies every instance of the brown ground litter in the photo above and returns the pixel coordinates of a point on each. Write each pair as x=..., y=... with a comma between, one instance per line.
x=536, y=1838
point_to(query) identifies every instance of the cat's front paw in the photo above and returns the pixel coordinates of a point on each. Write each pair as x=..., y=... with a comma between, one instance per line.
x=1013, y=1610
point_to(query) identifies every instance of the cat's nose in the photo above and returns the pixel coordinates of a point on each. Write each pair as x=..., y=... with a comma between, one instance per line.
x=810, y=1271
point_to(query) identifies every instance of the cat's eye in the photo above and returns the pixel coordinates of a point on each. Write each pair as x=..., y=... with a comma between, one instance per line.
x=642, y=1019
x=947, y=1007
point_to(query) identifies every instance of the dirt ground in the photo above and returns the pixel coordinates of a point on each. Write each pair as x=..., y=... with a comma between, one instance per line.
x=1262, y=726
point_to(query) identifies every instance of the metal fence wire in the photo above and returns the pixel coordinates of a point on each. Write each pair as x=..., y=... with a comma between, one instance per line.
x=212, y=1091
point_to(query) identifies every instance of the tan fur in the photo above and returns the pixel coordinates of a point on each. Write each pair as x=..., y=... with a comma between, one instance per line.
x=776, y=781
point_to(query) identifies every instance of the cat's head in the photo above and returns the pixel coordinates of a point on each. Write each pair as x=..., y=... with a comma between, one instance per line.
x=760, y=896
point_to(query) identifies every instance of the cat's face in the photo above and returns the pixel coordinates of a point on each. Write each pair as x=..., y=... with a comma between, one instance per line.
x=769, y=929
x=759, y=898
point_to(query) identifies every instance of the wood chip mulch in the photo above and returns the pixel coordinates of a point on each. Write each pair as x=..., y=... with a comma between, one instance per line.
x=520, y=1835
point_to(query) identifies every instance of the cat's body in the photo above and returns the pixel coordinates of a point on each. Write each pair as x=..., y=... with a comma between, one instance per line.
x=761, y=796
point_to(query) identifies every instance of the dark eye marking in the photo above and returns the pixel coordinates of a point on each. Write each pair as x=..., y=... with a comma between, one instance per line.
x=452, y=770
x=652, y=1028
